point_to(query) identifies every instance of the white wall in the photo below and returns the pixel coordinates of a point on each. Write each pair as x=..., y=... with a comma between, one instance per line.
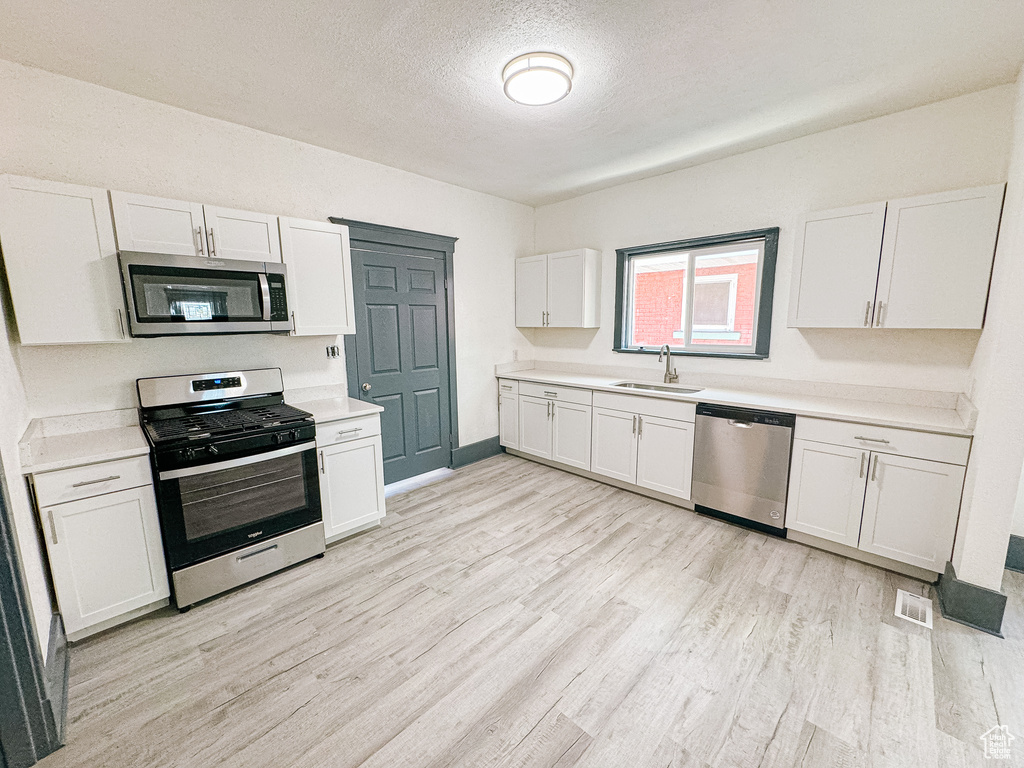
x=997, y=453
x=63, y=129
x=13, y=420
x=957, y=143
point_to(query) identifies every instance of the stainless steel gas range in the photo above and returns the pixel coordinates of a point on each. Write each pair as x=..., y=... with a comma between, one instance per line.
x=236, y=478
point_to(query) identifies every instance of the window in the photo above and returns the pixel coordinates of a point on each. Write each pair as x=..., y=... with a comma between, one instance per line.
x=708, y=296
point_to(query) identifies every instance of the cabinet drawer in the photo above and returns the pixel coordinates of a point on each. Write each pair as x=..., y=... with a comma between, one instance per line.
x=647, y=406
x=508, y=386
x=552, y=392
x=347, y=429
x=904, y=442
x=64, y=485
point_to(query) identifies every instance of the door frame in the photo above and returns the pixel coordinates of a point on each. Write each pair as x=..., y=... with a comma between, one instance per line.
x=367, y=235
x=31, y=719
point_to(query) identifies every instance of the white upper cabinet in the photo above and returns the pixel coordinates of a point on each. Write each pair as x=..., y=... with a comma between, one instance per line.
x=836, y=268
x=920, y=262
x=937, y=259
x=61, y=261
x=531, y=291
x=232, y=234
x=158, y=225
x=559, y=290
x=319, y=277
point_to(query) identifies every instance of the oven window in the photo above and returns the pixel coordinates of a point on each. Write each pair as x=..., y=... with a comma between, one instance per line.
x=171, y=294
x=230, y=499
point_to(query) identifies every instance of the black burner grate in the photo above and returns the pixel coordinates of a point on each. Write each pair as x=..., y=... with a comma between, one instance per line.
x=224, y=422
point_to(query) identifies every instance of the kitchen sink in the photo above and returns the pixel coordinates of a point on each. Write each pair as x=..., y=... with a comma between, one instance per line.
x=676, y=390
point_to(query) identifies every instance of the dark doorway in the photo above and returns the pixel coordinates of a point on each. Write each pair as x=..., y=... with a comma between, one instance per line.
x=402, y=356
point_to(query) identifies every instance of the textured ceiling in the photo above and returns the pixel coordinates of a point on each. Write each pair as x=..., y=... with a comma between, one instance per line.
x=417, y=84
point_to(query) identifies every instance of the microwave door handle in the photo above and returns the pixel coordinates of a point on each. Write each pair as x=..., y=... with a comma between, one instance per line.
x=265, y=295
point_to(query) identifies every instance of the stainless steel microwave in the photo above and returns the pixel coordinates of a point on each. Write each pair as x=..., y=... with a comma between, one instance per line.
x=188, y=295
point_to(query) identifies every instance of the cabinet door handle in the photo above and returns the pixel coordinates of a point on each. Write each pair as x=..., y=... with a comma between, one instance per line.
x=634, y=425
x=871, y=439
x=862, y=457
x=94, y=482
x=640, y=426
x=213, y=250
x=881, y=314
x=53, y=528
x=120, y=322
x=197, y=241
x=874, y=469
x=321, y=462
x=867, y=314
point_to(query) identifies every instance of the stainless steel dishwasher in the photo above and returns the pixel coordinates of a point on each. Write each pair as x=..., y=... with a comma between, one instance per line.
x=741, y=465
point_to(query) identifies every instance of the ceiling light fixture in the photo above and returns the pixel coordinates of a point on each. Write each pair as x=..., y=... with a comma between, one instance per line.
x=537, y=78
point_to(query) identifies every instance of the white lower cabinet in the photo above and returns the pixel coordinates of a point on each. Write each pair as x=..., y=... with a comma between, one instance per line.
x=351, y=475
x=508, y=419
x=664, y=459
x=899, y=507
x=106, y=556
x=910, y=510
x=535, y=426
x=570, y=434
x=613, y=445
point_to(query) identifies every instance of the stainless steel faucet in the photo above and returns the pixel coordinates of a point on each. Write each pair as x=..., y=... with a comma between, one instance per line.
x=671, y=377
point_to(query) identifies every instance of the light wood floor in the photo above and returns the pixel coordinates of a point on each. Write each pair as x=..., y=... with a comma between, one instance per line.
x=515, y=615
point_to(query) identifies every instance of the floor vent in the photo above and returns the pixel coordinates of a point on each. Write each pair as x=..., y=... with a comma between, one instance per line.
x=914, y=608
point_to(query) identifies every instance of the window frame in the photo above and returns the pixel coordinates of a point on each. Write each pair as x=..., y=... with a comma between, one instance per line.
x=763, y=299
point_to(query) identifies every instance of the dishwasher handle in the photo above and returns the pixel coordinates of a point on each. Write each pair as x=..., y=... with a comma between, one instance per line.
x=741, y=424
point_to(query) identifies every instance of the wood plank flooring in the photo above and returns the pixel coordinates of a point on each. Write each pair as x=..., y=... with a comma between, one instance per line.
x=516, y=615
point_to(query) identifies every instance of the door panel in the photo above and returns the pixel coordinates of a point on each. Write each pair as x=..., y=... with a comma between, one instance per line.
x=937, y=259
x=352, y=486
x=508, y=420
x=319, y=266
x=531, y=291
x=614, y=444
x=535, y=426
x=401, y=352
x=243, y=235
x=157, y=225
x=826, y=491
x=565, y=290
x=571, y=434
x=911, y=509
x=836, y=268
x=664, y=461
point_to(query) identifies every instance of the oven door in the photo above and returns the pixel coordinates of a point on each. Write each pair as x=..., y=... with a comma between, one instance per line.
x=208, y=510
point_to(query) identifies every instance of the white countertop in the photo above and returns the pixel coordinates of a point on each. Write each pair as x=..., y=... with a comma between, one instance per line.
x=942, y=420
x=42, y=453
x=61, y=442
x=336, y=408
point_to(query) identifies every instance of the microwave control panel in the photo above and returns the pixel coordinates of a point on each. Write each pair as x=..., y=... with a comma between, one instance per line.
x=278, y=298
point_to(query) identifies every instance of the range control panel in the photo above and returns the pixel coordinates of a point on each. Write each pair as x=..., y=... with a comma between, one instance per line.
x=205, y=385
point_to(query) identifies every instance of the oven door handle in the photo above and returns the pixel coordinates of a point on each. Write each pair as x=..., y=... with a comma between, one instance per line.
x=265, y=295
x=174, y=474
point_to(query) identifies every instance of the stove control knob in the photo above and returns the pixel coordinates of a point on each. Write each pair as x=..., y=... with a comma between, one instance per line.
x=190, y=453
x=213, y=450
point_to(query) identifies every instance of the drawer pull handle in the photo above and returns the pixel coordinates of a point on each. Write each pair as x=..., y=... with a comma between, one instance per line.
x=247, y=555
x=550, y=394
x=506, y=387
x=53, y=528
x=871, y=439
x=350, y=431
x=94, y=482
